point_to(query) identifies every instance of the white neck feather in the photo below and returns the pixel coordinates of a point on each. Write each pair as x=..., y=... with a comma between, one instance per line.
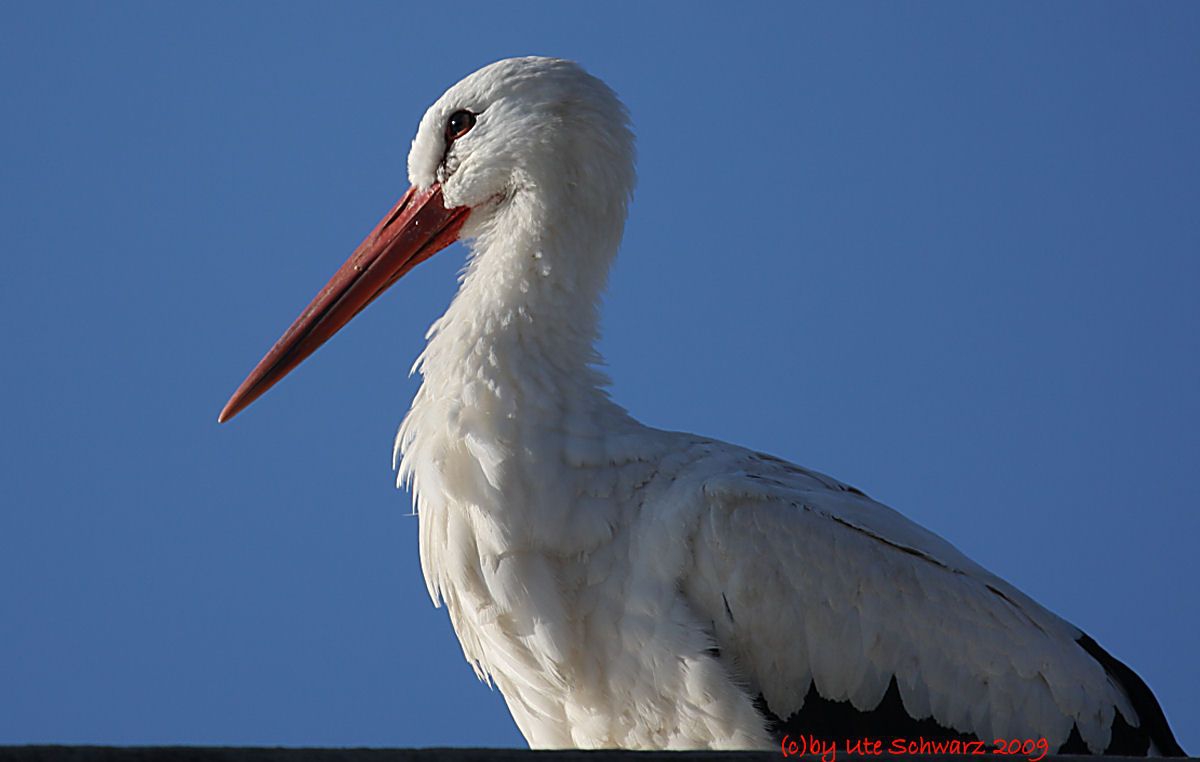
x=525, y=320
x=511, y=397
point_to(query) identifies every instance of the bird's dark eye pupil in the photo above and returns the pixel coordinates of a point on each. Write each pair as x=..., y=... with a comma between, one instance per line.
x=460, y=124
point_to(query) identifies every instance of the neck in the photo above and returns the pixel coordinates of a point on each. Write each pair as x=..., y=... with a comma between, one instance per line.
x=528, y=309
x=510, y=367
x=512, y=420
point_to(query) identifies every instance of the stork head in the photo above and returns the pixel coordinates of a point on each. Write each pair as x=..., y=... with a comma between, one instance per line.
x=524, y=142
x=525, y=125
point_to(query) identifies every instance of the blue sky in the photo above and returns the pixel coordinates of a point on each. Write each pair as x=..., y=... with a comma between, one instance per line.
x=948, y=253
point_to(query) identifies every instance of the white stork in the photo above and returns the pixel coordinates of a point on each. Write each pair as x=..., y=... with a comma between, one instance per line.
x=637, y=588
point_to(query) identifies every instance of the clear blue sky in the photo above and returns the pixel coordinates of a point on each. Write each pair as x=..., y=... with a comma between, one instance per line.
x=949, y=253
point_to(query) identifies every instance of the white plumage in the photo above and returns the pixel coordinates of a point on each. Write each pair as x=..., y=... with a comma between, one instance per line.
x=630, y=587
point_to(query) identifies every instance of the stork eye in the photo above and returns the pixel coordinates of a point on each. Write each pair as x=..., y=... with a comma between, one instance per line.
x=459, y=124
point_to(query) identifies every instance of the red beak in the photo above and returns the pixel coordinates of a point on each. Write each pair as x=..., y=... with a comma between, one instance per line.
x=418, y=227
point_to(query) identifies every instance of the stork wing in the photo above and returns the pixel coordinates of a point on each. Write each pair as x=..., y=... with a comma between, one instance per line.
x=817, y=592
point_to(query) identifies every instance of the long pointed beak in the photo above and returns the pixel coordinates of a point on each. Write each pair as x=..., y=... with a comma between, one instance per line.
x=418, y=227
